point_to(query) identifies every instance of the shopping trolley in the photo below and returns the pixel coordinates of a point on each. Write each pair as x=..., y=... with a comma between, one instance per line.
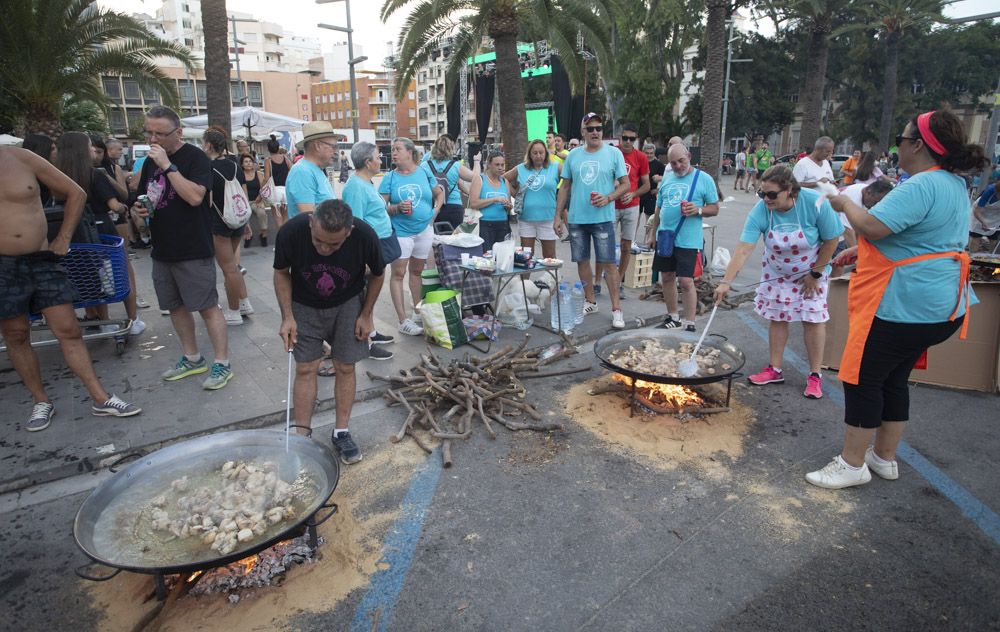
x=99, y=272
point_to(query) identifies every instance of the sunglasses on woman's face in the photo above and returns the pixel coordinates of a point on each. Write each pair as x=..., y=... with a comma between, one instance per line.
x=771, y=195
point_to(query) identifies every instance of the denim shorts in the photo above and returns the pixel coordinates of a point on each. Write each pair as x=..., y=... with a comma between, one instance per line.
x=603, y=235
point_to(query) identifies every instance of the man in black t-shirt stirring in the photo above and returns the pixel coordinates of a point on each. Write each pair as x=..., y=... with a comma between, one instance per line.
x=320, y=281
x=176, y=177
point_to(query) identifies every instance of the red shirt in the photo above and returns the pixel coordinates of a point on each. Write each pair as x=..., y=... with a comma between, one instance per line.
x=636, y=165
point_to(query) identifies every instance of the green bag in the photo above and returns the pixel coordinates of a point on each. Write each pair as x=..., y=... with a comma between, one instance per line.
x=442, y=316
x=429, y=281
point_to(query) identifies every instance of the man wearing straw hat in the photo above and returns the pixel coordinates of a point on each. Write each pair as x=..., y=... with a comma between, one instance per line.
x=307, y=184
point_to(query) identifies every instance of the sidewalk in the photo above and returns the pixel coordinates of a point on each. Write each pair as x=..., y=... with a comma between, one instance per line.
x=78, y=442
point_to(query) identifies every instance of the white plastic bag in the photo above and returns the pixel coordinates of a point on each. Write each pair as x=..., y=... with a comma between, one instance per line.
x=720, y=261
x=503, y=255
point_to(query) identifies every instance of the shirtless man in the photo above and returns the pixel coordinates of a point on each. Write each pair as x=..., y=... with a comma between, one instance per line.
x=32, y=280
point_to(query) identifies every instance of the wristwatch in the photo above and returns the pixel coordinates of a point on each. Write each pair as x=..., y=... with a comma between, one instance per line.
x=172, y=168
x=816, y=274
x=699, y=211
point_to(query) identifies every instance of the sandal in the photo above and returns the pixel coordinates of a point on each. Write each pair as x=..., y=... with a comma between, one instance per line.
x=326, y=371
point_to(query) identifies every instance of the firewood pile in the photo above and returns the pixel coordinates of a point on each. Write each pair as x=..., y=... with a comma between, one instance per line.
x=705, y=288
x=448, y=400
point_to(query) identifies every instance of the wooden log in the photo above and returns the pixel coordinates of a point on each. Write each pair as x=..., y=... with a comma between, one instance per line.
x=486, y=421
x=452, y=435
x=528, y=408
x=446, y=454
x=554, y=373
x=418, y=441
x=396, y=438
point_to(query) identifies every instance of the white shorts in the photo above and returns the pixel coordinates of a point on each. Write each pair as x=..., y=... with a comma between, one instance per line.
x=537, y=230
x=279, y=196
x=416, y=246
x=626, y=220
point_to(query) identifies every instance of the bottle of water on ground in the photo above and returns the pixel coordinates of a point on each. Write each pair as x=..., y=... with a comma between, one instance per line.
x=577, y=295
x=563, y=308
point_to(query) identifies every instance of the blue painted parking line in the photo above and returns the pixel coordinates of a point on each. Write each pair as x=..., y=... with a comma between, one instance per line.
x=972, y=508
x=397, y=552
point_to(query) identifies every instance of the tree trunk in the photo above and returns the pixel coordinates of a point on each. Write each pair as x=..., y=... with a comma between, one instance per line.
x=40, y=119
x=711, y=104
x=812, y=103
x=510, y=93
x=889, y=89
x=215, y=24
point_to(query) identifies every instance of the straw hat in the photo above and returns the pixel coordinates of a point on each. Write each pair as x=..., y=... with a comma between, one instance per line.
x=315, y=130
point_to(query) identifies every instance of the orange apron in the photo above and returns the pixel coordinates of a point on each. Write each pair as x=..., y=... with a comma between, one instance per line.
x=864, y=295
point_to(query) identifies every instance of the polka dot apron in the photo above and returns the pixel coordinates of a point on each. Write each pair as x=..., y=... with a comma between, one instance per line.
x=788, y=256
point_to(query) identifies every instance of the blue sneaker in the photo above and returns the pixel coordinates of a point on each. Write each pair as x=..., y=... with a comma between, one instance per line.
x=346, y=448
x=219, y=377
x=184, y=368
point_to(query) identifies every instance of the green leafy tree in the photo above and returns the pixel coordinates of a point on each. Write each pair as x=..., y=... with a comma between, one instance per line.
x=469, y=22
x=83, y=116
x=51, y=50
x=760, y=102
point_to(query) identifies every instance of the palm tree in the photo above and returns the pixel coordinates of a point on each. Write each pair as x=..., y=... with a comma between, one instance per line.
x=711, y=105
x=893, y=19
x=215, y=25
x=468, y=22
x=51, y=50
x=817, y=15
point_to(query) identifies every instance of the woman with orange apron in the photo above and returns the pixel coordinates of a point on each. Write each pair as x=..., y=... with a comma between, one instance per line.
x=910, y=291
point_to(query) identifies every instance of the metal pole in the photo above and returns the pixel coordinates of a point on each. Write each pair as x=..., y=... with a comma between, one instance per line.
x=725, y=95
x=236, y=49
x=350, y=66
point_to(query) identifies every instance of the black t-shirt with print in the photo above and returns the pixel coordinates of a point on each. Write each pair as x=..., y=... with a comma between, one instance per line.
x=180, y=232
x=324, y=282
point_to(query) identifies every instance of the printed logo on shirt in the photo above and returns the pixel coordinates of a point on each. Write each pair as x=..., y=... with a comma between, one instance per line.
x=158, y=189
x=536, y=181
x=589, y=170
x=675, y=193
x=326, y=279
x=628, y=168
x=494, y=194
x=410, y=192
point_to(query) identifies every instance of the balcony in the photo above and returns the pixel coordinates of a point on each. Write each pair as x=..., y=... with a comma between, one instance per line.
x=381, y=117
x=376, y=99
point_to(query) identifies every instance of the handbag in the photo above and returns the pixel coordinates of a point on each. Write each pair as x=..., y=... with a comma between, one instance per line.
x=665, y=238
x=518, y=206
x=267, y=192
x=235, y=212
x=442, y=317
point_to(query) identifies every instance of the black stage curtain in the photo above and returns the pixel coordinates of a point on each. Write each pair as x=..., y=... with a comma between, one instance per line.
x=485, y=85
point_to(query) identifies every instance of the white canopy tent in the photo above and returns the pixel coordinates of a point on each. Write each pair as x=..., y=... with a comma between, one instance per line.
x=250, y=122
x=7, y=139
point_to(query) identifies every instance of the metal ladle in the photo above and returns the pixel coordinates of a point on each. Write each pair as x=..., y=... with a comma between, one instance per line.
x=689, y=367
x=289, y=466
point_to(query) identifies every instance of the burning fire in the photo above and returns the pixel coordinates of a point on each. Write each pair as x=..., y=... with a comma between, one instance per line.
x=663, y=395
x=247, y=564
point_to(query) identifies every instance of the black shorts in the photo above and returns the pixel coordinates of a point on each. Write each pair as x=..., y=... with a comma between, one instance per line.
x=31, y=283
x=647, y=205
x=882, y=393
x=682, y=262
x=220, y=228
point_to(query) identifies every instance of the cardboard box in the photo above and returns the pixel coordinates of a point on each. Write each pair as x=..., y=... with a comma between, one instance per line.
x=973, y=363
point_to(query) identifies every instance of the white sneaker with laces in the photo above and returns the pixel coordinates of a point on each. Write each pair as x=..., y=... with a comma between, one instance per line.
x=233, y=317
x=838, y=474
x=617, y=319
x=137, y=327
x=246, y=308
x=889, y=470
x=589, y=308
x=410, y=328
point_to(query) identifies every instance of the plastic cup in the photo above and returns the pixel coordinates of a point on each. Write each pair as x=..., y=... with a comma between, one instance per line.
x=466, y=258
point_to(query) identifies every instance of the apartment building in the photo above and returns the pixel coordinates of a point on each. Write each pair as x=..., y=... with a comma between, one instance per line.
x=378, y=110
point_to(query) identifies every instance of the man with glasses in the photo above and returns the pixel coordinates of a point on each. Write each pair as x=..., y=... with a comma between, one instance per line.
x=593, y=177
x=307, y=184
x=627, y=207
x=176, y=178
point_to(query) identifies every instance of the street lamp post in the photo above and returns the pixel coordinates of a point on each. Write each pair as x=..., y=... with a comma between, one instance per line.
x=725, y=97
x=352, y=61
x=236, y=49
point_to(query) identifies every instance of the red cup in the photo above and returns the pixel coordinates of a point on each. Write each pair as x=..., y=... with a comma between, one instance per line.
x=593, y=197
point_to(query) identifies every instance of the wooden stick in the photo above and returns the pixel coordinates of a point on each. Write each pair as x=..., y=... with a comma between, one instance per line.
x=446, y=453
x=528, y=408
x=419, y=441
x=555, y=373
x=451, y=435
x=486, y=421
x=396, y=438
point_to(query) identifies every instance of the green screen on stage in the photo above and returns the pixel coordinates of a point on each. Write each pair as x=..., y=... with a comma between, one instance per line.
x=538, y=123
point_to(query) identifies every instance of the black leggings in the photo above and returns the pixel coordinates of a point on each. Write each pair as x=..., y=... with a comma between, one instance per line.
x=891, y=351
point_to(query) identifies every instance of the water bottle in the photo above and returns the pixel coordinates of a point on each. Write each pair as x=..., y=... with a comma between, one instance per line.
x=107, y=275
x=563, y=308
x=577, y=295
x=553, y=311
x=618, y=254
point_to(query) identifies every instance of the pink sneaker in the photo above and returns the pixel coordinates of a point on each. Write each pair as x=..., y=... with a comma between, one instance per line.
x=770, y=375
x=814, y=387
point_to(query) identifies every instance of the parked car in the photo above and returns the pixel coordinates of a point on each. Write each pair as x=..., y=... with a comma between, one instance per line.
x=837, y=161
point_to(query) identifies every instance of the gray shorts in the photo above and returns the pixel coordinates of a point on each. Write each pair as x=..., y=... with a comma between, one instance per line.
x=189, y=284
x=627, y=220
x=335, y=325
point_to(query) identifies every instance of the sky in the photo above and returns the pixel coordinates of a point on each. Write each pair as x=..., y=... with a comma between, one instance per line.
x=301, y=16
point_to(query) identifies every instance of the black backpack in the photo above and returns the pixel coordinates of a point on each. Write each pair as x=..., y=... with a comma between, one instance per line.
x=442, y=176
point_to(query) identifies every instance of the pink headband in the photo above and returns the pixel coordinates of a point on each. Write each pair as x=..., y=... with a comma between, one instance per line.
x=924, y=126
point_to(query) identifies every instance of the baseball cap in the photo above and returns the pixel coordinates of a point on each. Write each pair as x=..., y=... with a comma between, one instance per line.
x=591, y=116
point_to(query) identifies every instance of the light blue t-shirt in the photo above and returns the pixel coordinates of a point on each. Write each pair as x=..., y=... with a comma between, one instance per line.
x=494, y=212
x=540, y=193
x=674, y=190
x=306, y=184
x=454, y=195
x=596, y=171
x=817, y=224
x=137, y=167
x=927, y=213
x=368, y=205
x=418, y=188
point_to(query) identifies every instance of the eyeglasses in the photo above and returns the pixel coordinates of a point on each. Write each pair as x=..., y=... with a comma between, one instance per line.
x=900, y=138
x=629, y=139
x=330, y=145
x=771, y=195
x=152, y=134
x=594, y=128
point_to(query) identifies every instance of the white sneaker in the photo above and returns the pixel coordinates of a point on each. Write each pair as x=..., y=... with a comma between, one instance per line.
x=417, y=318
x=838, y=474
x=137, y=327
x=109, y=329
x=410, y=328
x=889, y=470
x=233, y=317
x=617, y=319
x=589, y=308
x=245, y=307
x=140, y=302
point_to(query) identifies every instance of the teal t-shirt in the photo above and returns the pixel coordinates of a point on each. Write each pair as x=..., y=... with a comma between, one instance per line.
x=817, y=224
x=674, y=190
x=418, y=188
x=927, y=213
x=494, y=212
x=596, y=171
x=366, y=204
x=454, y=194
x=306, y=184
x=540, y=193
